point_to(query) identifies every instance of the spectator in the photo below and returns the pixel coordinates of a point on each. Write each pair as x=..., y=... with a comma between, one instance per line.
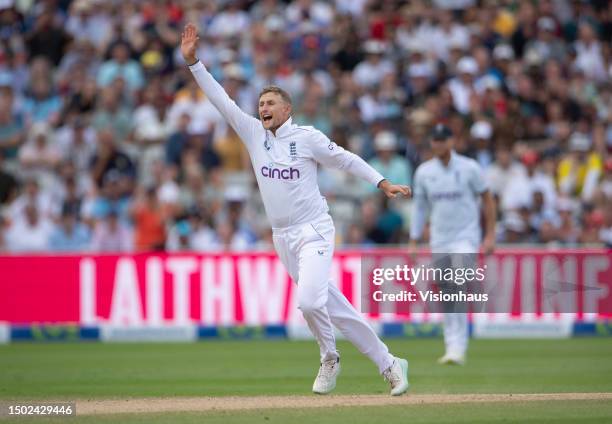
x=111, y=235
x=111, y=116
x=28, y=232
x=373, y=69
x=47, y=38
x=11, y=129
x=519, y=192
x=42, y=105
x=482, y=151
x=69, y=235
x=232, y=153
x=8, y=185
x=120, y=65
x=149, y=227
x=388, y=162
x=39, y=156
x=578, y=173
x=502, y=171
x=462, y=86
x=109, y=159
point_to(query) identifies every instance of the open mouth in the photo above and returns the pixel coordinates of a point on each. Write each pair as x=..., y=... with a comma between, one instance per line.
x=267, y=118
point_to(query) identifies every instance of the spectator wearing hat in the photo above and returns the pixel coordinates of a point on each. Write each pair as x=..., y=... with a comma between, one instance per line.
x=546, y=44
x=481, y=134
x=388, y=162
x=462, y=86
x=568, y=232
x=578, y=173
x=371, y=71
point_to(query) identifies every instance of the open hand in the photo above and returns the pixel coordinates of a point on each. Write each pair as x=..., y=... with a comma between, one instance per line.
x=189, y=43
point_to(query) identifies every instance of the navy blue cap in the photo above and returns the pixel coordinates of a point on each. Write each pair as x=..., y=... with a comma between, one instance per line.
x=441, y=132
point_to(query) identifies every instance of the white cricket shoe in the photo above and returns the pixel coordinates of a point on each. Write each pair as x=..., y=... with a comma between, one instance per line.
x=326, y=378
x=397, y=376
x=451, y=358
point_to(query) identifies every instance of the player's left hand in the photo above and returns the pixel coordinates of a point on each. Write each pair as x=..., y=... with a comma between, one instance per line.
x=488, y=245
x=392, y=190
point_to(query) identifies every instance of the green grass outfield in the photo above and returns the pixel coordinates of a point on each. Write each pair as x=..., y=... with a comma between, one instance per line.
x=255, y=368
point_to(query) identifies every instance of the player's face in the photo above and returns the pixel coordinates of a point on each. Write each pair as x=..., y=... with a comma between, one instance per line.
x=273, y=110
x=441, y=148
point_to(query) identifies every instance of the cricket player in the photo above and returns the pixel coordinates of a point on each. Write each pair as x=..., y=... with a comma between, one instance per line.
x=450, y=188
x=285, y=157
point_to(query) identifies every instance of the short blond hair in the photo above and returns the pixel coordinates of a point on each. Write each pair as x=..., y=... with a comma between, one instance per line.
x=276, y=90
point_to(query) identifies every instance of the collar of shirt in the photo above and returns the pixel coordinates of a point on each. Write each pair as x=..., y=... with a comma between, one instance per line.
x=283, y=130
x=451, y=162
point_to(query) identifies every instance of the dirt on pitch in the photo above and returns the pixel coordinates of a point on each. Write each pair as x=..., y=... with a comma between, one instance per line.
x=219, y=404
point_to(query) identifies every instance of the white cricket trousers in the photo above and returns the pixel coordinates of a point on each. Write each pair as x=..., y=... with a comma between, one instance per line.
x=456, y=328
x=307, y=250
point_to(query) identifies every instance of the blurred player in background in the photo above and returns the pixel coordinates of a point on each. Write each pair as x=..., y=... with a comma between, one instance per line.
x=285, y=157
x=450, y=189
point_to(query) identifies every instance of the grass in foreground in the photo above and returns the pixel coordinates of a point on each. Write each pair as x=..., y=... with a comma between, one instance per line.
x=223, y=368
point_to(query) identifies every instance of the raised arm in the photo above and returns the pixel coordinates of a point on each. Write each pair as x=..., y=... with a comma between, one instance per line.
x=329, y=154
x=244, y=124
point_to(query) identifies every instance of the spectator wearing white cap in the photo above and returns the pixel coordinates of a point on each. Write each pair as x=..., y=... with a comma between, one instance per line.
x=579, y=172
x=420, y=76
x=547, y=44
x=388, y=162
x=568, y=232
x=481, y=134
x=372, y=70
x=462, y=86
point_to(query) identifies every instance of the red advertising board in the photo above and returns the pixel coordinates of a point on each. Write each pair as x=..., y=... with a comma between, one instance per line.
x=239, y=289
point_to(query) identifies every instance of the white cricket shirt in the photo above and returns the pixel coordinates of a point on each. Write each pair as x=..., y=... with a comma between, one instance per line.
x=285, y=164
x=450, y=195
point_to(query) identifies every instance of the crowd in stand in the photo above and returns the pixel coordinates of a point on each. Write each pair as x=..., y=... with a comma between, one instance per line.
x=107, y=144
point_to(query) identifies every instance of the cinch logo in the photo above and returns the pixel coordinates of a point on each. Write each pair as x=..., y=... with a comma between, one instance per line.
x=280, y=174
